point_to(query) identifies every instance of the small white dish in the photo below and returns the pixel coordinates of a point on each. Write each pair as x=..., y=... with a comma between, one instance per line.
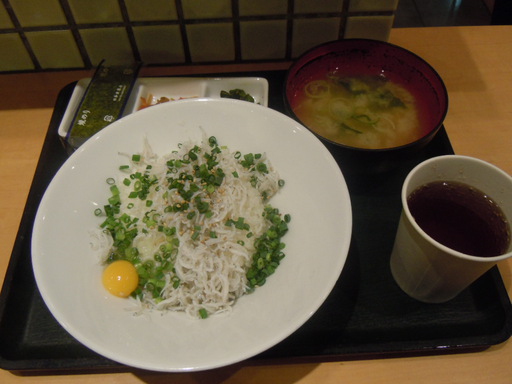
x=68, y=274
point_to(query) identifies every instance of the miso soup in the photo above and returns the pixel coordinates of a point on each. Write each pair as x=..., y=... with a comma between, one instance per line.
x=367, y=111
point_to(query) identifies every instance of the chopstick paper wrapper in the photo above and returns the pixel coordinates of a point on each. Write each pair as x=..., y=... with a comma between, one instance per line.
x=103, y=102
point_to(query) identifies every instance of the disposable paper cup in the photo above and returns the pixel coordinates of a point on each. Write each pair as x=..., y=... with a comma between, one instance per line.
x=426, y=269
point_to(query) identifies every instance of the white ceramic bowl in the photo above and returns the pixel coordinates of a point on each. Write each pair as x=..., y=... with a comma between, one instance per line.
x=69, y=276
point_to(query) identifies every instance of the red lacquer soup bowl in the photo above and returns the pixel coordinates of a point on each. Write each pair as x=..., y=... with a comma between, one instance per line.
x=366, y=73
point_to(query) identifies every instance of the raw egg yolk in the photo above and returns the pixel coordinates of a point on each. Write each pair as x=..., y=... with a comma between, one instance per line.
x=120, y=278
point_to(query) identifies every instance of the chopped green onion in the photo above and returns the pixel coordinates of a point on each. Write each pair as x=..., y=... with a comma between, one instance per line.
x=203, y=313
x=262, y=168
x=212, y=140
x=269, y=248
x=195, y=235
x=114, y=200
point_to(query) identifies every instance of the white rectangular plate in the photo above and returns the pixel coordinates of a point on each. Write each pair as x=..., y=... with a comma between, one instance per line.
x=174, y=88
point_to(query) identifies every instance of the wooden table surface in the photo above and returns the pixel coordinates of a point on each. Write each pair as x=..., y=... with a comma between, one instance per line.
x=476, y=65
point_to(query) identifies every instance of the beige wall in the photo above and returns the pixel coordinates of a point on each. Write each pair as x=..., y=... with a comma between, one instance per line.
x=40, y=35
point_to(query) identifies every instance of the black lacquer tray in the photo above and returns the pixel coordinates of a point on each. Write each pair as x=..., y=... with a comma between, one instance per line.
x=365, y=316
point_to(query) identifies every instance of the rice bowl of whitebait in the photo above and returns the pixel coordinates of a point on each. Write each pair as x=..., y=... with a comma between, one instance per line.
x=234, y=220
